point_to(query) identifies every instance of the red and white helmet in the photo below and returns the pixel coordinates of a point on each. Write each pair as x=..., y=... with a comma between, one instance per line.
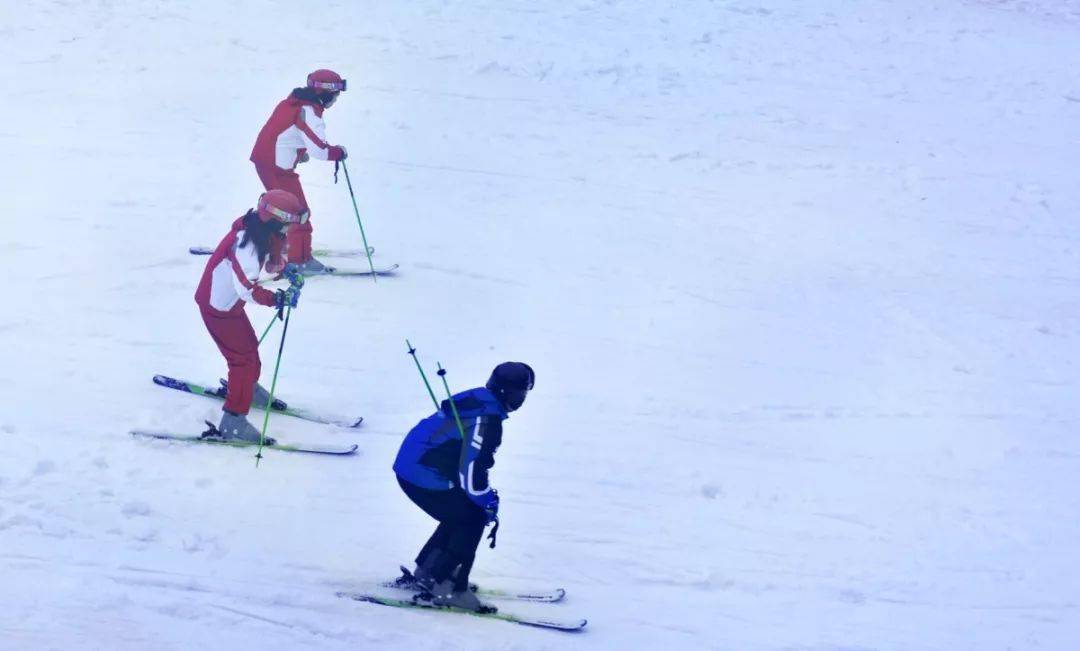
x=283, y=206
x=323, y=79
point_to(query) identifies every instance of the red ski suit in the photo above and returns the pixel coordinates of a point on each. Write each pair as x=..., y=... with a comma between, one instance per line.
x=227, y=283
x=294, y=131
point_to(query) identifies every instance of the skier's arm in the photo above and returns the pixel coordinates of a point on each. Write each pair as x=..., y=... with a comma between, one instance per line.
x=275, y=261
x=244, y=260
x=313, y=131
x=477, y=459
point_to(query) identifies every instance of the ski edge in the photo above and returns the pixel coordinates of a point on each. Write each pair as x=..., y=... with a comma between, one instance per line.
x=193, y=388
x=332, y=271
x=537, y=596
x=540, y=596
x=554, y=596
x=325, y=253
x=281, y=447
x=568, y=625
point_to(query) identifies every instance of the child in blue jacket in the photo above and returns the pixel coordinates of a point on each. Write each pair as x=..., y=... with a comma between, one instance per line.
x=447, y=477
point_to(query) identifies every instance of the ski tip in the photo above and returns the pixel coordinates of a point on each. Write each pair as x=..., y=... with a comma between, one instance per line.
x=357, y=423
x=316, y=449
x=352, y=449
x=149, y=434
x=171, y=383
x=570, y=627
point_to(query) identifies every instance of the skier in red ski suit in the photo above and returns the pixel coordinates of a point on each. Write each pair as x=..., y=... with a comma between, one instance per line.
x=254, y=240
x=295, y=132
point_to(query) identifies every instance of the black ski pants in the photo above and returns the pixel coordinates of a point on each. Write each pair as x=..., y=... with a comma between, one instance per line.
x=454, y=543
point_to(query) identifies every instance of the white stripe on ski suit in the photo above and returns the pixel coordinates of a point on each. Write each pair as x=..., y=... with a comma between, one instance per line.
x=293, y=139
x=468, y=485
x=226, y=287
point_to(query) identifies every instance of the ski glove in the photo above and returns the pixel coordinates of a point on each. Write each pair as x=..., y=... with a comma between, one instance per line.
x=491, y=506
x=286, y=298
x=291, y=272
x=336, y=153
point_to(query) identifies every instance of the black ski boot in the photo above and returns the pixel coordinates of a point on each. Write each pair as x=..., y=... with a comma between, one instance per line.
x=444, y=594
x=421, y=580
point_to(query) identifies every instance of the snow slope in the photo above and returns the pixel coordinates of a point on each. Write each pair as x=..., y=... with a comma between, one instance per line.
x=798, y=281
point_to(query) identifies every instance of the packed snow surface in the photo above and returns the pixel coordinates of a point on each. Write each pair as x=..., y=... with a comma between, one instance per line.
x=799, y=281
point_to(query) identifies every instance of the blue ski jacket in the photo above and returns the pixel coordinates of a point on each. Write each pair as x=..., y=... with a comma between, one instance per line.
x=434, y=457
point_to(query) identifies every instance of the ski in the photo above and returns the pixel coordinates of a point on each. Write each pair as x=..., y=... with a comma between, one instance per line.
x=558, y=625
x=319, y=253
x=278, y=407
x=284, y=447
x=344, y=273
x=338, y=272
x=543, y=596
x=407, y=583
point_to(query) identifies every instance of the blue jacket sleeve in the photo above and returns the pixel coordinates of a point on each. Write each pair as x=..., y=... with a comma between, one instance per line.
x=477, y=458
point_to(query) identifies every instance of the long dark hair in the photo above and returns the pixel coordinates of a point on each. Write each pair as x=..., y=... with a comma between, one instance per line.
x=259, y=232
x=311, y=95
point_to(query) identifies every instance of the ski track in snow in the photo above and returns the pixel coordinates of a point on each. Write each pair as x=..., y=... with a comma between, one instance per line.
x=798, y=280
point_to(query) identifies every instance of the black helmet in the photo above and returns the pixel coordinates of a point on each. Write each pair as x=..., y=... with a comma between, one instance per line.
x=510, y=381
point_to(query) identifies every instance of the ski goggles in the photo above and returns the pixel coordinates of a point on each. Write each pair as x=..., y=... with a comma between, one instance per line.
x=285, y=216
x=336, y=86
